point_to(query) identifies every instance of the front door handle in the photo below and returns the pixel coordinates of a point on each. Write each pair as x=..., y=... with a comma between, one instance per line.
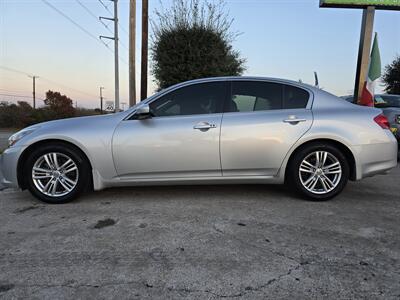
x=204, y=126
x=294, y=120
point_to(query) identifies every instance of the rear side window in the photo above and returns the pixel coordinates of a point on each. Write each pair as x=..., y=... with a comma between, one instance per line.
x=295, y=97
x=247, y=96
x=254, y=96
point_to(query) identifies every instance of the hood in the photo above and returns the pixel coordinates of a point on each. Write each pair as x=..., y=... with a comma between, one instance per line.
x=75, y=120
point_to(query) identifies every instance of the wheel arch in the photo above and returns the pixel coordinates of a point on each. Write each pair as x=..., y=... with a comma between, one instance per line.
x=24, y=156
x=341, y=146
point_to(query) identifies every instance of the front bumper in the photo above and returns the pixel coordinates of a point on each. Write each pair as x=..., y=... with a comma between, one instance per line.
x=8, y=167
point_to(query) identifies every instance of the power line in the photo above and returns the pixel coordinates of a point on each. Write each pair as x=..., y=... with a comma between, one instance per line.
x=68, y=87
x=48, y=80
x=70, y=20
x=123, y=45
x=11, y=91
x=123, y=29
x=81, y=28
x=105, y=6
x=17, y=96
x=92, y=14
x=14, y=70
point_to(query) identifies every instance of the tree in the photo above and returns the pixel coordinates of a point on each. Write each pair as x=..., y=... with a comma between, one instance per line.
x=391, y=77
x=192, y=40
x=59, y=105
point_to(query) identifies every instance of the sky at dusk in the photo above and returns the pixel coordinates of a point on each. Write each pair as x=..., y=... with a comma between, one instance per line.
x=278, y=38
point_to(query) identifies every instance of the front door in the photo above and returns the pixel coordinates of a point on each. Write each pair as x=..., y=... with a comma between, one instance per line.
x=180, y=140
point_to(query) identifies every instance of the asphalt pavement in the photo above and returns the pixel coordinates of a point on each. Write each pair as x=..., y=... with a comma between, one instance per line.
x=204, y=242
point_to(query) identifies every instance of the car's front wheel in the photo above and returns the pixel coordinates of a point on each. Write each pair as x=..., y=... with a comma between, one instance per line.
x=319, y=171
x=56, y=173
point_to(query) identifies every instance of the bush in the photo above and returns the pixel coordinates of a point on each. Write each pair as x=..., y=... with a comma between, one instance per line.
x=57, y=106
x=391, y=77
x=193, y=40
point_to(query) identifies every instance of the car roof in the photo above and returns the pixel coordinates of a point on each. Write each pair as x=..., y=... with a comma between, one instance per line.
x=250, y=78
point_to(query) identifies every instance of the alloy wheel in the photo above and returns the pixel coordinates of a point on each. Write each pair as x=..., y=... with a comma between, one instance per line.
x=320, y=172
x=55, y=174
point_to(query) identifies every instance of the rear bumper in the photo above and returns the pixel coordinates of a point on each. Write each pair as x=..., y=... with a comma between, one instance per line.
x=373, y=159
x=8, y=167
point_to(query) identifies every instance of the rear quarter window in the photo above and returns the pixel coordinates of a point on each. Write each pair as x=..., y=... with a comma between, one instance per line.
x=294, y=97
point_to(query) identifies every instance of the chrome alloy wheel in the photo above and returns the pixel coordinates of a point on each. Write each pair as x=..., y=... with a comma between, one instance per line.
x=320, y=172
x=55, y=174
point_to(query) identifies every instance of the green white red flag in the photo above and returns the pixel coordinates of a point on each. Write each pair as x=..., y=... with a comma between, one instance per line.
x=374, y=72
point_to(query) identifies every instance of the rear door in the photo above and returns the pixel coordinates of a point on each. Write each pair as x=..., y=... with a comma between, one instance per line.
x=262, y=121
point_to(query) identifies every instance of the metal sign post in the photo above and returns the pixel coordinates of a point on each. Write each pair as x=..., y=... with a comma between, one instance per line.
x=367, y=25
x=364, y=50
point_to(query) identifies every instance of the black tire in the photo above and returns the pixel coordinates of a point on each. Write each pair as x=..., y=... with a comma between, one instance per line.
x=293, y=177
x=75, y=155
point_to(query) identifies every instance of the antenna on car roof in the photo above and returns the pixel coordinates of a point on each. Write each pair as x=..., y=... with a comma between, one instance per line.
x=316, y=79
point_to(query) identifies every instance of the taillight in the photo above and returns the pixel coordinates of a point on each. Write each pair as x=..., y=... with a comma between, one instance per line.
x=382, y=121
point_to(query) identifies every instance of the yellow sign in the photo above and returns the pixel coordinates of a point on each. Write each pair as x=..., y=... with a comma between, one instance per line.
x=393, y=130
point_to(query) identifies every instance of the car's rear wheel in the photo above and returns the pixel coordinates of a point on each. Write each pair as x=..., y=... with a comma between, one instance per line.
x=319, y=171
x=56, y=173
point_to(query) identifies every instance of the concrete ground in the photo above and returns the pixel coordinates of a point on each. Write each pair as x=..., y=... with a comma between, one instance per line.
x=204, y=242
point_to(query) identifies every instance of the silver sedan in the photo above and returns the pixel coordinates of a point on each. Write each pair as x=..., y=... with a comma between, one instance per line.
x=226, y=130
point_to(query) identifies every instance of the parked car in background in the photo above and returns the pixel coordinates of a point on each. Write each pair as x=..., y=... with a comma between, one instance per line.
x=207, y=131
x=390, y=105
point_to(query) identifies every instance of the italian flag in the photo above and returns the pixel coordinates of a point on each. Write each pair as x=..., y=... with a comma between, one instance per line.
x=374, y=72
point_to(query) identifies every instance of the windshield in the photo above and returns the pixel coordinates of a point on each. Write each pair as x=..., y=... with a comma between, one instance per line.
x=383, y=101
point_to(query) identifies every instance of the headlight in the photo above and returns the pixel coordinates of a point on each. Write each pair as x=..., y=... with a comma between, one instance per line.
x=19, y=135
x=397, y=119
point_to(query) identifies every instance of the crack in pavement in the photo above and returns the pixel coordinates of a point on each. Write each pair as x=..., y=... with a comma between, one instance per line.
x=256, y=246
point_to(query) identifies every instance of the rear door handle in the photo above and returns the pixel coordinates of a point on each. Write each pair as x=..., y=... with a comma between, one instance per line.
x=204, y=126
x=294, y=120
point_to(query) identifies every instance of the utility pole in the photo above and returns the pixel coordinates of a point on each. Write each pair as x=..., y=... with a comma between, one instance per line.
x=34, y=90
x=116, y=61
x=101, y=99
x=145, y=42
x=116, y=55
x=132, y=53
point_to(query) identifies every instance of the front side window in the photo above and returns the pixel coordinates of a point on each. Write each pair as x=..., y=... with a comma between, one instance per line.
x=202, y=98
x=247, y=96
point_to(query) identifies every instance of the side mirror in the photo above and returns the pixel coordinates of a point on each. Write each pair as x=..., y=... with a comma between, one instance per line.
x=143, y=112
